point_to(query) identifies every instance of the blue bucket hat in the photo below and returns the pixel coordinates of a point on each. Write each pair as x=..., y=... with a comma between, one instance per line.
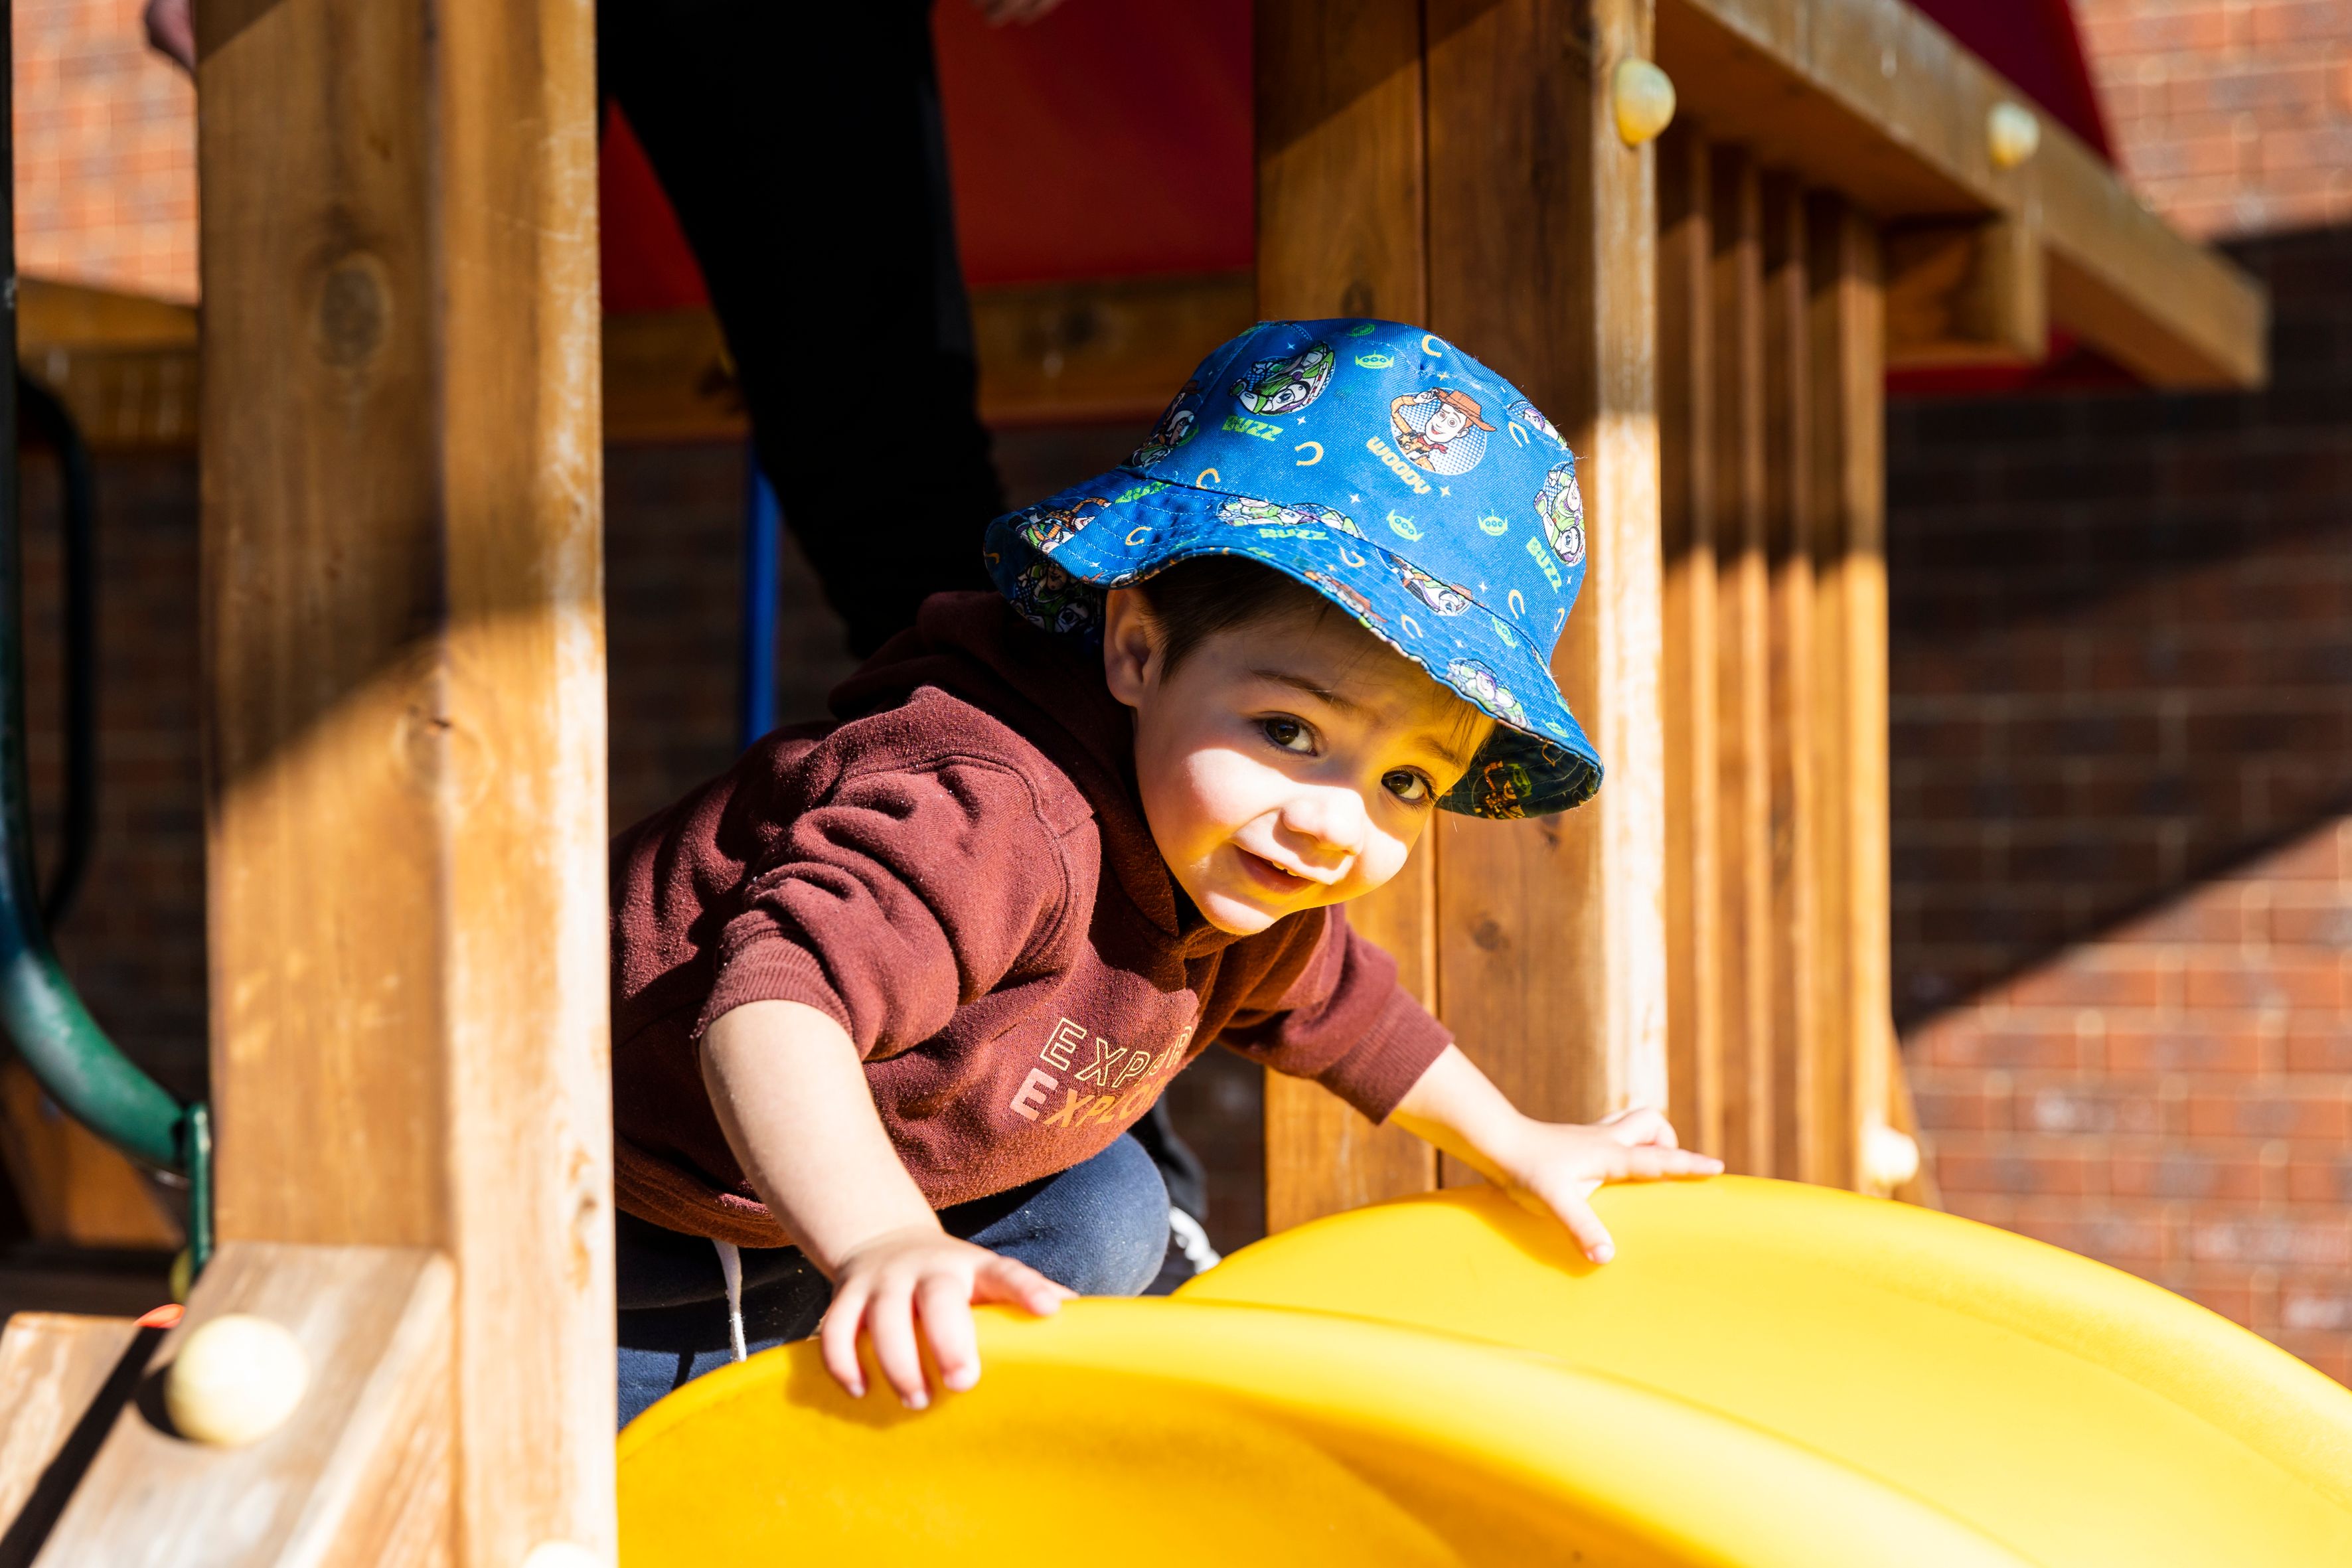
x=1389, y=471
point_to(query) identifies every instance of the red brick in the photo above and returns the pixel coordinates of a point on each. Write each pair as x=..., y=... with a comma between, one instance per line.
x=2093, y=1106
x=2024, y=1173
x=2220, y=1043
x=2233, y=1300
x=2306, y=985
x=2237, y=1112
x=2319, y=1046
x=2320, y=1179
x=2123, y=1239
x=2098, y=978
x=2186, y=1174
x=2258, y=1238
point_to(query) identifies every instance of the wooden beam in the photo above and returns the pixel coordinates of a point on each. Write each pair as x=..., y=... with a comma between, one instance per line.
x=1543, y=261
x=1848, y=493
x=1340, y=233
x=1869, y=99
x=1966, y=291
x=62, y=1379
x=1687, y=509
x=362, y=1471
x=1789, y=676
x=1743, y=786
x=406, y=704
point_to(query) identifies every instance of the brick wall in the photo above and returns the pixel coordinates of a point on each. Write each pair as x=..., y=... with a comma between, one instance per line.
x=2122, y=705
x=2233, y=116
x=106, y=150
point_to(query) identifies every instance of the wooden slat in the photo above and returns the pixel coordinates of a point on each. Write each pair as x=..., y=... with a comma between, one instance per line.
x=1742, y=647
x=1871, y=98
x=405, y=705
x=62, y=1376
x=1849, y=574
x=362, y=1471
x=1114, y=349
x=1788, y=517
x=1966, y=291
x=1686, y=511
x=1543, y=241
x=1340, y=177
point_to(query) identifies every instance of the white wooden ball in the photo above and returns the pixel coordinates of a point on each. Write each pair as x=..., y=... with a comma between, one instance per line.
x=1643, y=99
x=235, y=1381
x=2011, y=133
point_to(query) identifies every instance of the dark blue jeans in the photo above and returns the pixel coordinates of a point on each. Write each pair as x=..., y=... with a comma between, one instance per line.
x=1100, y=1228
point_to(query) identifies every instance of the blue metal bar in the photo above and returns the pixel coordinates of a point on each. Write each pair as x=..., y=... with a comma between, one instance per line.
x=762, y=576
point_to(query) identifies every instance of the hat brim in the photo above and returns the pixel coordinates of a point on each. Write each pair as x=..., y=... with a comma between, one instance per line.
x=1128, y=526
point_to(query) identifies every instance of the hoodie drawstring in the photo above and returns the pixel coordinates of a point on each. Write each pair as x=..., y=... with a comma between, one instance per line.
x=730, y=1264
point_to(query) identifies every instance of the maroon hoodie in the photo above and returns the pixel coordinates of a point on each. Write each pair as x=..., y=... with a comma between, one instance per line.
x=958, y=873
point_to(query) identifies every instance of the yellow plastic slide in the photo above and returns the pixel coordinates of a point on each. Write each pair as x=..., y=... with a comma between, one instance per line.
x=1768, y=1375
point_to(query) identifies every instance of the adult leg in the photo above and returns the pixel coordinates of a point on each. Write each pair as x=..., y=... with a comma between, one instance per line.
x=804, y=151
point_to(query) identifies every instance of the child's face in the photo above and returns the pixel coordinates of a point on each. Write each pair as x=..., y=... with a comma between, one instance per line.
x=1287, y=763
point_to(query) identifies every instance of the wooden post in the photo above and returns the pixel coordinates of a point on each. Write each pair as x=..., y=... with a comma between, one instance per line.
x=1340, y=166
x=1848, y=370
x=1790, y=678
x=1742, y=647
x=1687, y=509
x=404, y=725
x=1542, y=260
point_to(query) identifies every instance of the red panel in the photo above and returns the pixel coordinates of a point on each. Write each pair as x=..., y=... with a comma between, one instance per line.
x=646, y=263
x=2032, y=42
x=1111, y=138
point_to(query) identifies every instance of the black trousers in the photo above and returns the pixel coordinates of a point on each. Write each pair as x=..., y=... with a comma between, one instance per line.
x=803, y=149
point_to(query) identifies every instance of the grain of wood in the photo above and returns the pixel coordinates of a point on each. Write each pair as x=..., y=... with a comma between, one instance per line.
x=1966, y=291
x=1790, y=677
x=406, y=747
x=1543, y=242
x=1743, y=788
x=1854, y=955
x=1872, y=101
x=53, y=1365
x=1340, y=173
x=360, y=1474
x=1687, y=507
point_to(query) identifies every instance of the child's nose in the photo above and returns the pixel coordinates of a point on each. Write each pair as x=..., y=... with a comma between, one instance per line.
x=1331, y=821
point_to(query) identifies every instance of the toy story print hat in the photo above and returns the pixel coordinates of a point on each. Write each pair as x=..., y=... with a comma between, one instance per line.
x=1388, y=471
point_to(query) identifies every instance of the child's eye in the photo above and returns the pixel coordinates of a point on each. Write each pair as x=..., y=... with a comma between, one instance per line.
x=1290, y=735
x=1407, y=785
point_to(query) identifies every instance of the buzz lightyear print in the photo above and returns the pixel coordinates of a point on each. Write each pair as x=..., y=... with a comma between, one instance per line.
x=1561, y=507
x=1286, y=385
x=1443, y=598
x=1050, y=598
x=1484, y=687
x=1045, y=527
x=1246, y=513
x=1356, y=604
x=1441, y=429
x=1528, y=416
x=1175, y=428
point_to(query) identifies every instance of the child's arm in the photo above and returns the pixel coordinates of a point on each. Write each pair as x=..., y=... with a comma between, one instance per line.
x=791, y=1096
x=1546, y=1165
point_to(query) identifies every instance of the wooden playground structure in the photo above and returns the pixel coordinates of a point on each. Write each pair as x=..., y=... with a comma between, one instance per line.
x=401, y=396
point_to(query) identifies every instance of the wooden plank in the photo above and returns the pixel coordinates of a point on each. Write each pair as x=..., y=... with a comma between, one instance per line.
x=62, y=1377
x=1101, y=351
x=1848, y=481
x=1871, y=100
x=1789, y=521
x=405, y=723
x=1743, y=785
x=72, y=1185
x=1966, y=291
x=1543, y=261
x=1340, y=171
x=362, y=1471
x=1687, y=511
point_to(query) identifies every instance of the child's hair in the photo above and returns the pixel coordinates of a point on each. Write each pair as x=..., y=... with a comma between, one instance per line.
x=1195, y=599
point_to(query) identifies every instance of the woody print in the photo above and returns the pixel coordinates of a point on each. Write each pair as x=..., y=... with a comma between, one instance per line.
x=1442, y=430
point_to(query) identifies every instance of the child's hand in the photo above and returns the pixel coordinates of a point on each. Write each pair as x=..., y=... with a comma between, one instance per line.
x=1554, y=1167
x=889, y=1283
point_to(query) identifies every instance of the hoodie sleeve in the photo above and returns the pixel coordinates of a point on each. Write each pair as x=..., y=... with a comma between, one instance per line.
x=1329, y=1008
x=898, y=896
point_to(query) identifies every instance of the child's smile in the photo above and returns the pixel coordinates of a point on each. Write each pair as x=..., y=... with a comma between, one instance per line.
x=1287, y=763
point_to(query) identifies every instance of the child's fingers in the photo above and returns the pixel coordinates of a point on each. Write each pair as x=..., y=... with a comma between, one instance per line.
x=1591, y=1237
x=838, y=1338
x=943, y=1302
x=890, y=1323
x=1642, y=1124
x=1008, y=1280
x=1650, y=1162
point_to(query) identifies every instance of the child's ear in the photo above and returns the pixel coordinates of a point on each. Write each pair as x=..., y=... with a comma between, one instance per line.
x=1131, y=645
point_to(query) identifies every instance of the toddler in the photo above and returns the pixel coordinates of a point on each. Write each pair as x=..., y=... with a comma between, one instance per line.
x=889, y=993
